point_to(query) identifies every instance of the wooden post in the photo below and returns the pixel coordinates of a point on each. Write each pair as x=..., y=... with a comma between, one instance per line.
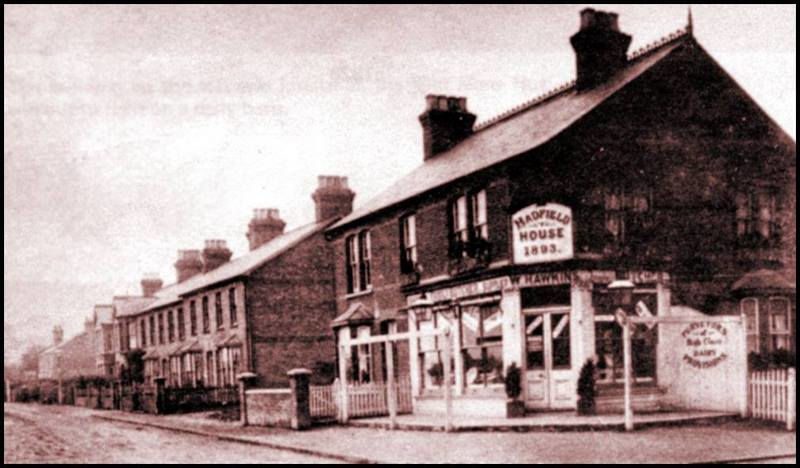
x=391, y=391
x=791, y=395
x=626, y=338
x=342, y=383
x=448, y=398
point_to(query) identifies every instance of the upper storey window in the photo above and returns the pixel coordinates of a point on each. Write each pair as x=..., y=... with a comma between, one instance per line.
x=469, y=225
x=627, y=212
x=359, y=262
x=408, y=247
x=756, y=215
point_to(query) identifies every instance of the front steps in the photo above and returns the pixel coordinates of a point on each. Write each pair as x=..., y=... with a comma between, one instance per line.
x=644, y=399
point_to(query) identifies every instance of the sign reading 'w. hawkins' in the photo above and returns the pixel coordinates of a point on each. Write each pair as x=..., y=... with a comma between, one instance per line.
x=542, y=233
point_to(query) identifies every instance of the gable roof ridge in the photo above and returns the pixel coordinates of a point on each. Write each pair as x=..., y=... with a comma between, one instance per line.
x=664, y=40
x=525, y=105
x=563, y=87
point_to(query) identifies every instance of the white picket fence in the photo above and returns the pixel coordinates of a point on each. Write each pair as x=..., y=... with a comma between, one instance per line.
x=772, y=395
x=322, y=401
x=363, y=399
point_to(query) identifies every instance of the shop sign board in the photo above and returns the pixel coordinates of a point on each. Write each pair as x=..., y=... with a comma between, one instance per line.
x=542, y=233
x=704, y=344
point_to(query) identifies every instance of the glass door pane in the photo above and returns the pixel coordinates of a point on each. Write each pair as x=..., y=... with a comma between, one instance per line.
x=534, y=336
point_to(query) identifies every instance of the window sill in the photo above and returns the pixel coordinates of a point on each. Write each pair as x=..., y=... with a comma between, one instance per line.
x=358, y=294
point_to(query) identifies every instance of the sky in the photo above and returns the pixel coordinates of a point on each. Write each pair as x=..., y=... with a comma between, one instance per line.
x=130, y=132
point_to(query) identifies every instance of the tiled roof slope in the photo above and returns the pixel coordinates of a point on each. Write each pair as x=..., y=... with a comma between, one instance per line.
x=238, y=266
x=514, y=132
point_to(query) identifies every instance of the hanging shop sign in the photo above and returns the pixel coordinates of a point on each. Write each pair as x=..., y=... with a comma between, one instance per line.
x=705, y=344
x=542, y=233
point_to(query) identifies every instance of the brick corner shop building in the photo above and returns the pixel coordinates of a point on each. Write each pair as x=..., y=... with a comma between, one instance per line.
x=653, y=167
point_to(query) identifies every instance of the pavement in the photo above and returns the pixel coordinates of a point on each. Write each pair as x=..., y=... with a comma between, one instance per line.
x=550, y=421
x=727, y=441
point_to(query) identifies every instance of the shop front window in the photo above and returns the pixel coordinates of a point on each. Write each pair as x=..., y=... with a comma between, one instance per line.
x=608, y=338
x=431, y=348
x=482, y=345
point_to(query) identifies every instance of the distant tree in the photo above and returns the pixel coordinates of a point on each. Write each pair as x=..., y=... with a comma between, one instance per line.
x=134, y=372
x=30, y=358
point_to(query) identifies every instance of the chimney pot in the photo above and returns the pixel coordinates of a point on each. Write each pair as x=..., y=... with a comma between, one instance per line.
x=189, y=263
x=58, y=335
x=445, y=123
x=265, y=226
x=215, y=253
x=151, y=283
x=332, y=198
x=600, y=48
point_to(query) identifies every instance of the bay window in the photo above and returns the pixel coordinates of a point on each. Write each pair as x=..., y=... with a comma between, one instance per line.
x=750, y=311
x=779, y=326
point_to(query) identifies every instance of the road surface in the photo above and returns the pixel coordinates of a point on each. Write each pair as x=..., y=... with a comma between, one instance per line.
x=53, y=434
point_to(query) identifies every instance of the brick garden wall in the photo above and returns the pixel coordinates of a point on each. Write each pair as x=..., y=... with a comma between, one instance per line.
x=269, y=407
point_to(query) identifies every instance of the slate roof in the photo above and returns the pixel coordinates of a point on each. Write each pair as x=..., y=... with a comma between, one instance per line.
x=236, y=267
x=130, y=305
x=763, y=279
x=357, y=312
x=515, y=132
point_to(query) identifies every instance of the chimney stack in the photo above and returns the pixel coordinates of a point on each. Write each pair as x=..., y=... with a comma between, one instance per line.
x=189, y=263
x=151, y=283
x=445, y=123
x=332, y=198
x=600, y=48
x=215, y=253
x=58, y=335
x=265, y=226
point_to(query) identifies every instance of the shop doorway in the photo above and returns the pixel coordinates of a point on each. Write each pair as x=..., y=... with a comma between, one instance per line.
x=548, y=368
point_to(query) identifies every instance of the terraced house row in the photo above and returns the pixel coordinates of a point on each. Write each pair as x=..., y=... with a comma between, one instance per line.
x=655, y=169
x=266, y=311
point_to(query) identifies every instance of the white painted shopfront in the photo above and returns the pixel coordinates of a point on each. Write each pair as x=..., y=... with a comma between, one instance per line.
x=550, y=323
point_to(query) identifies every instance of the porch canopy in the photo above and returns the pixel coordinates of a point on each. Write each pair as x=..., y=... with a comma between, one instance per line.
x=356, y=314
x=763, y=279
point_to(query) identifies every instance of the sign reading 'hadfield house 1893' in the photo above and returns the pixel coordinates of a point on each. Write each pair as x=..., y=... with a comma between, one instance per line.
x=542, y=233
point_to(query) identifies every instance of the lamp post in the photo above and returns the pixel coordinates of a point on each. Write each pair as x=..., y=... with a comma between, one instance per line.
x=622, y=295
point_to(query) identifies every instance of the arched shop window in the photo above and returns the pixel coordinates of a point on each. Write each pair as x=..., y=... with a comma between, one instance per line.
x=749, y=307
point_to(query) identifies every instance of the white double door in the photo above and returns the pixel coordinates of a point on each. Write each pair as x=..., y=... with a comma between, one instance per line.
x=548, y=373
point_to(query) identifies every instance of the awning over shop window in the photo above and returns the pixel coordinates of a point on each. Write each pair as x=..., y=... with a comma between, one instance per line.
x=357, y=313
x=763, y=280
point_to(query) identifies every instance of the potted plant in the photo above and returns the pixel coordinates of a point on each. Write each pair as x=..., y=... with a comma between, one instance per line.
x=515, y=408
x=587, y=389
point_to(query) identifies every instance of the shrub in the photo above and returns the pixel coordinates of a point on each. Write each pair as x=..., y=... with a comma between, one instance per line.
x=587, y=389
x=513, y=381
x=776, y=359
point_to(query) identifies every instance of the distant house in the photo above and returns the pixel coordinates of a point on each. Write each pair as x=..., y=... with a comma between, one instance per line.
x=71, y=358
x=266, y=312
